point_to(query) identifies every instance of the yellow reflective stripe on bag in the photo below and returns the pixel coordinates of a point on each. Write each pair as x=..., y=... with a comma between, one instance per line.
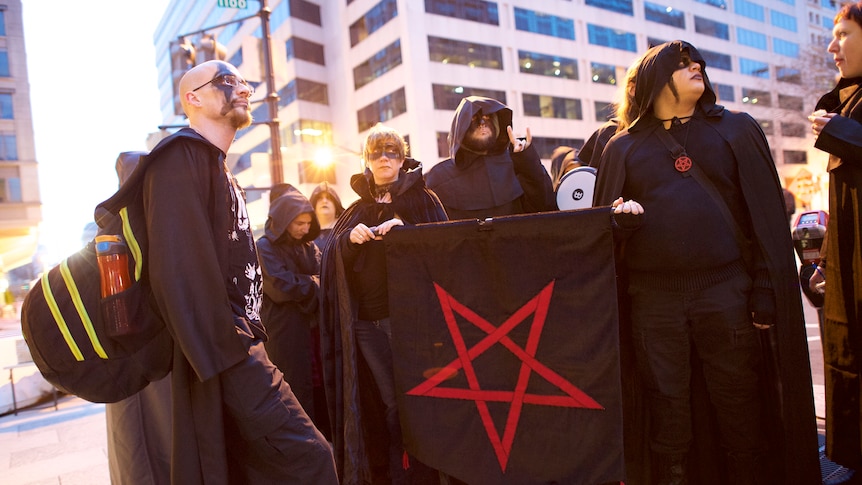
x=58, y=317
x=132, y=243
x=82, y=312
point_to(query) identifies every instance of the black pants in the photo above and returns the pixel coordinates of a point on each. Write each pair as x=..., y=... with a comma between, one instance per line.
x=667, y=326
x=280, y=443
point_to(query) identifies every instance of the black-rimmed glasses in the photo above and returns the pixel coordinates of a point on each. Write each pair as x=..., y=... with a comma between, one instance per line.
x=228, y=80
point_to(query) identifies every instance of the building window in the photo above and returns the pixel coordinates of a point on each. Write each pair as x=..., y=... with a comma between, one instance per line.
x=753, y=68
x=619, y=6
x=751, y=38
x=546, y=146
x=545, y=65
x=443, y=144
x=782, y=20
x=711, y=28
x=605, y=110
x=785, y=48
x=603, y=73
x=307, y=131
x=618, y=39
x=449, y=97
x=384, y=109
x=766, y=126
x=664, y=15
x=795, y=156
x=298, y=9
x=756, y=97
x=724, y=92
x=311, y=172
x=796, y=130
x=716, y=60
x=788, y=75
x=377, y=65
x=749, y=9
x=545, y=24
x=795, y=103
x=8, y=147
x=3, y=23
x=552, y=107
x=472, y=10
x=448, y=51
x=375, y=18
x=299, y=48
x=6, y=112
x=722, y=4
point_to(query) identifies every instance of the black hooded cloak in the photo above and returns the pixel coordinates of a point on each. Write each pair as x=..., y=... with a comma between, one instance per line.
x=788, y=398
x=350, y=389
x=499, y=183
x=291, y=283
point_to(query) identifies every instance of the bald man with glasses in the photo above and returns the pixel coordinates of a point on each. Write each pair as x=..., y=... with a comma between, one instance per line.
x=234, y=418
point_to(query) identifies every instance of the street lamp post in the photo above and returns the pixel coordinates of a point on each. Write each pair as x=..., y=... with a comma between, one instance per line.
x=276, y=168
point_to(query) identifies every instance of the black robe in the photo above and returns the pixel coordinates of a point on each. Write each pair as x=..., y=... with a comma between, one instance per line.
x=354, y=407
x=289, y=310
x=186, y=190
x=788, y=394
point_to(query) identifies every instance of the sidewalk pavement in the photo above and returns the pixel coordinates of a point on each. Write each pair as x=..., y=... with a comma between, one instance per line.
x=68, y=446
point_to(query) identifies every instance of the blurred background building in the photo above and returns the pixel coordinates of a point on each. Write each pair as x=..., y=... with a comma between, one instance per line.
x=340, y=66
x=20, y=207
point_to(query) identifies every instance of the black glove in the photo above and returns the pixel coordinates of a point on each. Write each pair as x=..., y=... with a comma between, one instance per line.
x=761, y=303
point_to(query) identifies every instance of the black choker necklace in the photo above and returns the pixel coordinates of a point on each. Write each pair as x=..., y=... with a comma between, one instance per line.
x=676, y=120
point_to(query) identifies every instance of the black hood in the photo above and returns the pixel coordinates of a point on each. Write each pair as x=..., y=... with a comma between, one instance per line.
x=283, y=210
x=473, y=105
x=656, y=69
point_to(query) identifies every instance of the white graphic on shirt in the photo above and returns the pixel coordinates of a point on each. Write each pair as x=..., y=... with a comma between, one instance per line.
x=255, y=294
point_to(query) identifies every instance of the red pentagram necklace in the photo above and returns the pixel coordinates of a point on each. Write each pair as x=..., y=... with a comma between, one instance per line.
x=682, y=162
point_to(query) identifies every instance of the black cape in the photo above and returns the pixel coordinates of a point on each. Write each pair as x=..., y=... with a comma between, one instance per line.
x=354, y=408
x=789, y=400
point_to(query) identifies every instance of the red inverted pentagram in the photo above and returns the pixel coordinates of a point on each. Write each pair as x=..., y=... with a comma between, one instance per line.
x=538, y=307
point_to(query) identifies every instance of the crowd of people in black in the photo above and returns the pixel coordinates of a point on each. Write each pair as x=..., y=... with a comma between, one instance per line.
x=283, y=370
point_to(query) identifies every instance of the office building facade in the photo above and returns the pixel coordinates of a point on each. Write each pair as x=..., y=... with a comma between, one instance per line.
x=20, y=206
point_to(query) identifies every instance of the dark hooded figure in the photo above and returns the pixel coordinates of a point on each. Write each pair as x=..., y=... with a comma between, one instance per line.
x=355, y=324
x=490, y=173
x=714, y=315
x=290, y=264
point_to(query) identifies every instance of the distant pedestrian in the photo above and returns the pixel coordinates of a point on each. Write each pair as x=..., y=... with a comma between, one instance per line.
x=837, y=124
x=328, y=208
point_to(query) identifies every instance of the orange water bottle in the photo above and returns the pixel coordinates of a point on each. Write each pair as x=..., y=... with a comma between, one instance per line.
x=113, y=259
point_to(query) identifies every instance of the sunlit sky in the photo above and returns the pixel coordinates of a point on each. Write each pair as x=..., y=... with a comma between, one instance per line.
x=94, y=94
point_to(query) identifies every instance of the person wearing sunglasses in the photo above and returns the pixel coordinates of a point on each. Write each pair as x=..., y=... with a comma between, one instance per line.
x=355, y=329
x=234, y=418
x=490, y=172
